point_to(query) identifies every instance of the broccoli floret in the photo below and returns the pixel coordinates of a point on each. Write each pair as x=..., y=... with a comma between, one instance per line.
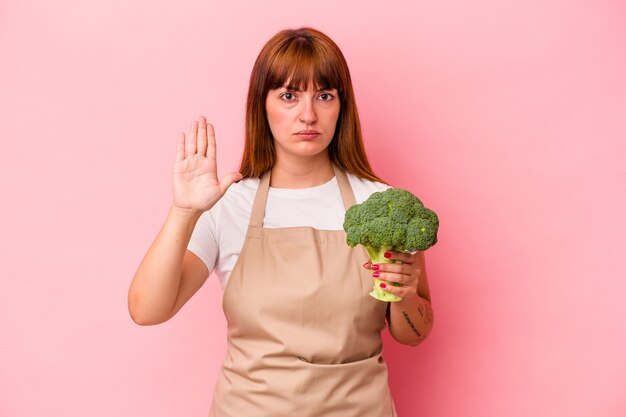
x=390, y=220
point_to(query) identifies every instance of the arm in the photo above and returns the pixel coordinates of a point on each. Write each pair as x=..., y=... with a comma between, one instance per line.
x=410, y=320
x=169, y=274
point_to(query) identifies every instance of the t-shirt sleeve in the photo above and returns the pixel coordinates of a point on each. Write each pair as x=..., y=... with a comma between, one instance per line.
x=203, y=242
x=364, y=188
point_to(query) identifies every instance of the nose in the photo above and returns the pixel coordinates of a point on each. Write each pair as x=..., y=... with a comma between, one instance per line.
x=307, y=114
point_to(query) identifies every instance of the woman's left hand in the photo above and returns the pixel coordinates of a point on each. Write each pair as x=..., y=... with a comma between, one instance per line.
x=406, y=273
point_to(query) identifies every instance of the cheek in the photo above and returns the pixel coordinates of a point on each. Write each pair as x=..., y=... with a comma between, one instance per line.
x=333, y=118
x=274, y=123
x=335, y=113
x=270, y=112
x=274, y=117
x=274, y=120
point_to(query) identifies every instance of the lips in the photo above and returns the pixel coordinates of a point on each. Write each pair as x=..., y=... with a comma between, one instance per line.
x=308, y=134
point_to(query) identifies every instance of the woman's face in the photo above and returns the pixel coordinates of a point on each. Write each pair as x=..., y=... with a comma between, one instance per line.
x=302, y=122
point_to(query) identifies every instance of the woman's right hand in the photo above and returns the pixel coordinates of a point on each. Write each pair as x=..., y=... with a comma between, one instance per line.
x=195, y=182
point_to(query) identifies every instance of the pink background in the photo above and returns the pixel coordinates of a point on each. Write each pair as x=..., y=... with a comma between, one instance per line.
x=506, y=117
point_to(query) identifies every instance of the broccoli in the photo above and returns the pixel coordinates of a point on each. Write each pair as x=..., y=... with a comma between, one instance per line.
x=390, y=220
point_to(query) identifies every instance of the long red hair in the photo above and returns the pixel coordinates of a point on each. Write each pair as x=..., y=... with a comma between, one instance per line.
x=302, y=56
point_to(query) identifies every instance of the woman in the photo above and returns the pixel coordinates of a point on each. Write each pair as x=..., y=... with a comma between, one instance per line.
x=303, y=333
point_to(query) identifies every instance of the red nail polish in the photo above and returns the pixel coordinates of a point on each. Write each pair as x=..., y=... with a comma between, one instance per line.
x=383, y=285
x=376, y=274
x=387, y=255
x=375, y=267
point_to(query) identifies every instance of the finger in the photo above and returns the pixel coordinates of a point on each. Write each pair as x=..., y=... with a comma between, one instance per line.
x=391, y=278
x=202, y=137
x=180, y=148
x=403, y=269
x=190, y=143
x=402, y=292
x=211, y=150
x=228, y=180
x=390, y=287
x=400, y=256
x=368, y=264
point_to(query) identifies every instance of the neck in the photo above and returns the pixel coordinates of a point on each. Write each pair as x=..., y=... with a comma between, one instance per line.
x=301, y=173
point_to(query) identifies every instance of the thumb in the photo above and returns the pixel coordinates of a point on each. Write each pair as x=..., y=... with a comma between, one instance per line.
x=228, y=180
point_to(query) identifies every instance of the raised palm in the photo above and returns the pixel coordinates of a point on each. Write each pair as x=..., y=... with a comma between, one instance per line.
x=195, y=183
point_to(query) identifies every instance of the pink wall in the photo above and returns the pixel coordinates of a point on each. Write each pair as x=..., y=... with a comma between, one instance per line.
x=508, y=118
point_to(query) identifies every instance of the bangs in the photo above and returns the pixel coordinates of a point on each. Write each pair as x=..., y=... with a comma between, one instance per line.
x=299, y=65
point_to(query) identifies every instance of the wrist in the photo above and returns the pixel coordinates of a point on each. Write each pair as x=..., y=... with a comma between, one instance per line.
x=408, y=301
x=185, y=214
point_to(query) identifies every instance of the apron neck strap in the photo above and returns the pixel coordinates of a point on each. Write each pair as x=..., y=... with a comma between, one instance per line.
x=258, y=208
x=344, y=188
x=260, y=199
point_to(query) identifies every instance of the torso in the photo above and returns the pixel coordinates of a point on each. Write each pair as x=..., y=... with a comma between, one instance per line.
x=303, y=332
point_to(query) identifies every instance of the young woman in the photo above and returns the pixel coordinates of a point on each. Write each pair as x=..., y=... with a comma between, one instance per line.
x=303, y=332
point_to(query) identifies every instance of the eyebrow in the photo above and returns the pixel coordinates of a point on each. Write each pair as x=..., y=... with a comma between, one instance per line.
x=297, y=89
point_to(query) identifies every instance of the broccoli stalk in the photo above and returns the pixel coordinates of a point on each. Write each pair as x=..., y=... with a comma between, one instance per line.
x=377, y=256
x=391, y=220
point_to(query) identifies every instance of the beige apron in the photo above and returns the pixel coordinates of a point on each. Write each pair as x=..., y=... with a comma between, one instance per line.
x=303, y=333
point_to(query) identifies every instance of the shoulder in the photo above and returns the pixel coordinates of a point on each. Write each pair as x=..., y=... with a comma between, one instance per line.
x=241, y=189
x=238, y=199
x=363, y=188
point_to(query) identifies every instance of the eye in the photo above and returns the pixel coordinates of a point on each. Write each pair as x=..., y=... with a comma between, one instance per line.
x=287, y=96
x=326, y=96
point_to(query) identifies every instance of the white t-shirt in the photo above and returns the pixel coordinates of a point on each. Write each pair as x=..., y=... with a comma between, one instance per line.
x=220, y=232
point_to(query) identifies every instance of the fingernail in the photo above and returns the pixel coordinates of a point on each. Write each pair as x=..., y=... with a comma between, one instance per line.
x=375, y=267
x=387, y=255
x=383, y=285
x=376, y=274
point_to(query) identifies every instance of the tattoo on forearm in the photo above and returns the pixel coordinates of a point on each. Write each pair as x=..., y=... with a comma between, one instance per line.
x=426, y=313
x=408, y=320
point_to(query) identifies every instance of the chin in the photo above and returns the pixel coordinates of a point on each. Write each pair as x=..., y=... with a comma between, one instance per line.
x=311, y=152
x=308, y=149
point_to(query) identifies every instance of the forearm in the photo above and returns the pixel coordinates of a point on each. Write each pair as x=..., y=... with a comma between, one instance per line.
x=411, y=320
x=154, y=288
